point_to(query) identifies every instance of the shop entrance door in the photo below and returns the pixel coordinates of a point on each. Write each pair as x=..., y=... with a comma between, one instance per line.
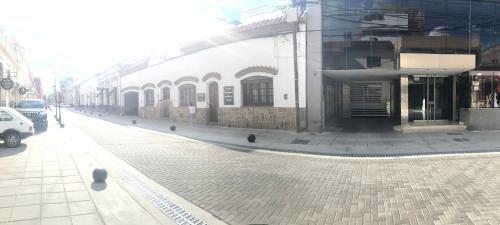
x=429, y=98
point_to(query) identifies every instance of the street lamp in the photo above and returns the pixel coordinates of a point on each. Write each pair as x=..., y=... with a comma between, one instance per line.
x=60, y=120
x=55, y=98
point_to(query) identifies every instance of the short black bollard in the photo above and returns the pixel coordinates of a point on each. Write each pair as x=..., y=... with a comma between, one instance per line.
x=99, y=175
x=61, y=125
x=251, y=138
x=172, y=128
x=134, y=122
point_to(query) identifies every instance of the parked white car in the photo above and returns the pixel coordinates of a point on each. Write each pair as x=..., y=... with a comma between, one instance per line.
x=14, y=127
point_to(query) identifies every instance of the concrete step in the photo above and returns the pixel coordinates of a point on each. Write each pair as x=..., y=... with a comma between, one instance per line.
x=413, y=128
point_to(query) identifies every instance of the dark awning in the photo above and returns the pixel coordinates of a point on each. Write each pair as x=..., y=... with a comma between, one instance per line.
x=113, y=91
x=100, y=90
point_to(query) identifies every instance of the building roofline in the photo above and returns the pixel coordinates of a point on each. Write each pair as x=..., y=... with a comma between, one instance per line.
x=263, y=28
x=257, y=30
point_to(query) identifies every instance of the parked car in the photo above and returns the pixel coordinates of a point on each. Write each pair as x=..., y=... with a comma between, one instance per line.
x=34, y=109
x=14, y=127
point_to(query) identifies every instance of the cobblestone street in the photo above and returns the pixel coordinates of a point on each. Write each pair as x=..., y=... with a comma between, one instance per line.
x=263, y=187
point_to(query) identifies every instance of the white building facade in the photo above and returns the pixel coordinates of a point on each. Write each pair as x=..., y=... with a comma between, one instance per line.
x=108, y=86
x=85, y=92
x=243, y=79
x=14, y=66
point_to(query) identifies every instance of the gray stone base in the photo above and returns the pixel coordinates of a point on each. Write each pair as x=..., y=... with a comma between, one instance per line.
x=258, y=117
x=481, y=118
x=244, y=117
x=181, y=114
x=149, y=112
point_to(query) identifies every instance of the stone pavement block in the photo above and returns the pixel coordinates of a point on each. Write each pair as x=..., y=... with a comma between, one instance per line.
x=25, y=222
x=52, y=188
x=28, y=199
x=7, y=201
x=30, y=189
x=56, y=221
x=53, y=197
x=55, y=210
x=33, y=169
x=52, y=180
x=52, y=173
x=75, y=196
x=74, y=187
x=10, y=183
x=69, y=173
x=93, y=219
x=32, y=181
x=11, y=176
x=72, y=179
x=83, y=207
x=32, y=174
x=25, y=212
x=5, y=214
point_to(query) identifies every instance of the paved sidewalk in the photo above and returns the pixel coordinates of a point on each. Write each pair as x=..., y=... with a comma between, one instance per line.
x=41, y=182
x=48, y=181
x=265, y=187
x=328, y=143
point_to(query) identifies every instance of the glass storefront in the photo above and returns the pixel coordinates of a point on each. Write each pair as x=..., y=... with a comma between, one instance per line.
x=429, y=98
x=365, y=34
x=485, y=90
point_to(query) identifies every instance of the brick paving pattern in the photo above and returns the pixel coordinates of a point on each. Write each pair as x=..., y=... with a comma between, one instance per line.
x=40, y=184
x=274, y=188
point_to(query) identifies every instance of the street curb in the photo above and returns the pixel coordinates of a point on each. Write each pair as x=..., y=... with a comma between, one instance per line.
x=250, y=148
x=349, y=155
x=122, y=172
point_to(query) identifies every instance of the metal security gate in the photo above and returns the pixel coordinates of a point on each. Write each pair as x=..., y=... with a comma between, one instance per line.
x=369, y=99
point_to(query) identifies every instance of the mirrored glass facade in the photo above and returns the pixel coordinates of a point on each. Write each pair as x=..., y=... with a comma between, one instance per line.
x=363, y=34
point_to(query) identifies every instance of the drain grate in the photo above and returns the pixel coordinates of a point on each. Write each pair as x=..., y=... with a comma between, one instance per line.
x=166, y=206
x=169, y=208
x=461, y=139
x=455, y=134
x=297, y=141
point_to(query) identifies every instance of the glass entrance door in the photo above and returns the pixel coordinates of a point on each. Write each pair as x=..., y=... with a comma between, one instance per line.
x=429, y=98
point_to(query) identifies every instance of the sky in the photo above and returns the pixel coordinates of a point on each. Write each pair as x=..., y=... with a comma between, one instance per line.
x=79, y=38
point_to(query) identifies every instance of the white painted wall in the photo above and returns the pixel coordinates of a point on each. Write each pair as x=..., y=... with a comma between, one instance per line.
x=88, y=87
x=13, y=60
x=109, y=79
x=227, y=60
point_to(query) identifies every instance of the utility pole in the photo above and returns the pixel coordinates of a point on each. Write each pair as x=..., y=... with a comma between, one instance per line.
x=296, y=71
x=55, y=97
x=58, y=106
x=60, y=115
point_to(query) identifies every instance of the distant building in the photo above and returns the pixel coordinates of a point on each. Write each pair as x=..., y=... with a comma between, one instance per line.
x=395, y=64
x=420, y=64
x=242, y=78
x=108, y=86
x=85, y=92
x=65, y=88
x=14, y=66
x=37, y=82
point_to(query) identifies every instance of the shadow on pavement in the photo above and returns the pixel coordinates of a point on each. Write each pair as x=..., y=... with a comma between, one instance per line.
x=98, y=186
x=362, y=125
x=6, y=151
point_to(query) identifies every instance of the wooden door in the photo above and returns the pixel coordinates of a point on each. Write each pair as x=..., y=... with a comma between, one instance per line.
x=213, y=92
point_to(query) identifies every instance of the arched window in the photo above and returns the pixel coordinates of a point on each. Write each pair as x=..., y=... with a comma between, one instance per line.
x=187, y=95
x=165, y=93
x=149, y=97
x=257, y=91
